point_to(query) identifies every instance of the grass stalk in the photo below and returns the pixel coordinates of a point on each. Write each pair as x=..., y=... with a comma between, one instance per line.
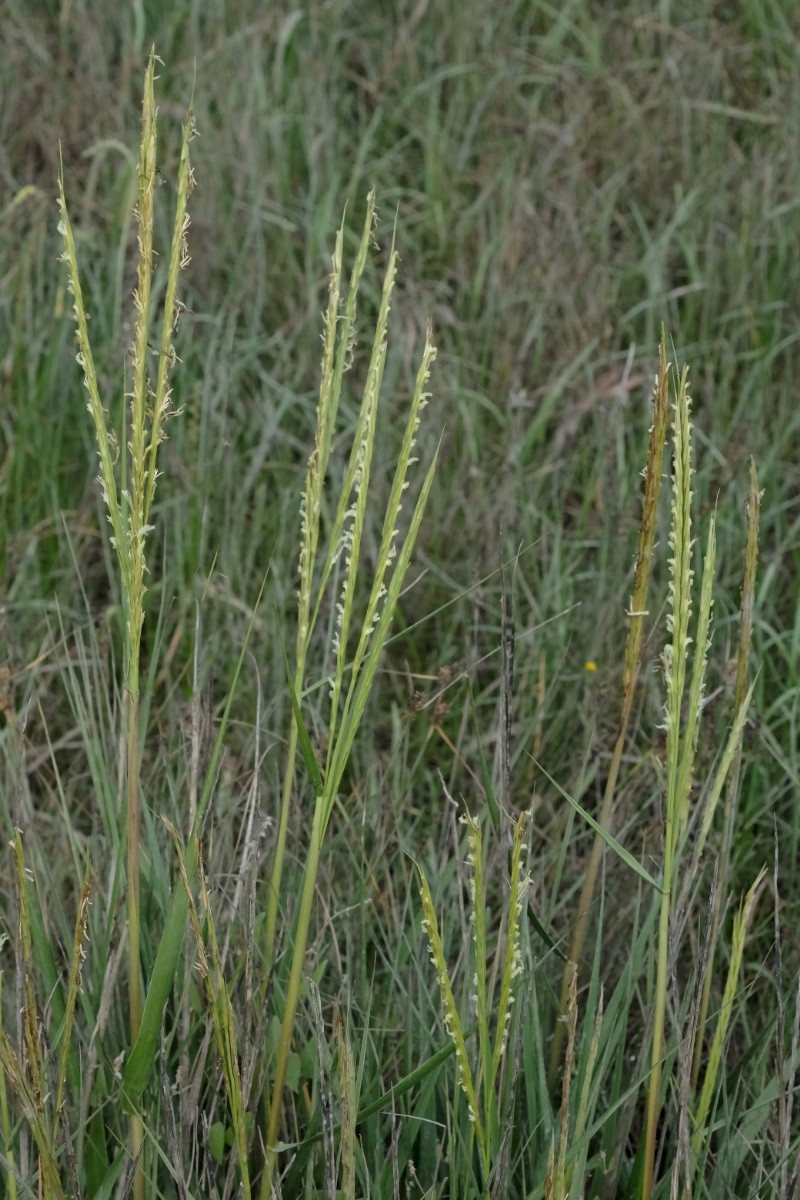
x=479, y=998
x=675, y=658
x=683, y=710
x=338, y=345
x=452, y=1020
x=73, y=986
x=637, y=613
x=129, y=507
x=557, y=1188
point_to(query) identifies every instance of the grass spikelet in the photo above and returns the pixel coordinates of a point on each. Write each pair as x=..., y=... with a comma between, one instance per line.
x=512, y=955
x=675, y=660
x=588, y=1077
x=390, y=572
x=481, y=1080
x=73, y=987
x=478, y=922
x=560, y=1176
x=107, y=479
x=680, y=598
x=30, y=1102
x=691, y=727
x=349, y=546
x=452, y=1020
x=31, y=1019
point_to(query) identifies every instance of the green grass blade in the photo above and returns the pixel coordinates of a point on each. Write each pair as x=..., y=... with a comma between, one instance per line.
x=623, y=854
x=306, y=749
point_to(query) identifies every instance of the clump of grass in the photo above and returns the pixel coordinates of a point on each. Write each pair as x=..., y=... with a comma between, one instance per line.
x=327, y=563
x=128, y=496
x=359, y=636
x=223, y=1023
x=685, y=683
x=39, y=1075
x=687, y=828
x=479, y=1074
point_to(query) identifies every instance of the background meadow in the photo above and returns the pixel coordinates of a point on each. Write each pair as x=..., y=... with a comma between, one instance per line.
x=560, y=182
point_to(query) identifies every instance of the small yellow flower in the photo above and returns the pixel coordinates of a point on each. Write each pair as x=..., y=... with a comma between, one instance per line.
x=590, y=666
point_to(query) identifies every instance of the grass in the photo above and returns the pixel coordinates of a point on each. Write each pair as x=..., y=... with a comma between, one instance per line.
x=612, y=1007
x=129, y=503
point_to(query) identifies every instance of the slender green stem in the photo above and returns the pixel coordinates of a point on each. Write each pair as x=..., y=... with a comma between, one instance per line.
x=654, y=1087
x=274, y=892
x=134, y=925
x=731, y=793
x=680, y=740
x=292, y=994
x=133, y=833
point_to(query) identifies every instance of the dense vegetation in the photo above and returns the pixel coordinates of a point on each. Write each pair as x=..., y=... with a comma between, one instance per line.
x=425, y=842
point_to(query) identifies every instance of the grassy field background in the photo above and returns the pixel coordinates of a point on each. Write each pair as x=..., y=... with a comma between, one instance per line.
x=564, y=180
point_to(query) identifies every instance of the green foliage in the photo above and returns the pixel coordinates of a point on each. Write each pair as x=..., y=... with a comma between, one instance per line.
x=622, y=1008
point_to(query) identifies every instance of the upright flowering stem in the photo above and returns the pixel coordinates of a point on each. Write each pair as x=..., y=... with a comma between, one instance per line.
x=636, y=614
x=129, y=508
x=354, y=667
x=680, y=739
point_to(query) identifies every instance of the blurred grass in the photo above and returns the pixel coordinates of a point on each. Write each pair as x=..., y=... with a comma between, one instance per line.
x=565, y=179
